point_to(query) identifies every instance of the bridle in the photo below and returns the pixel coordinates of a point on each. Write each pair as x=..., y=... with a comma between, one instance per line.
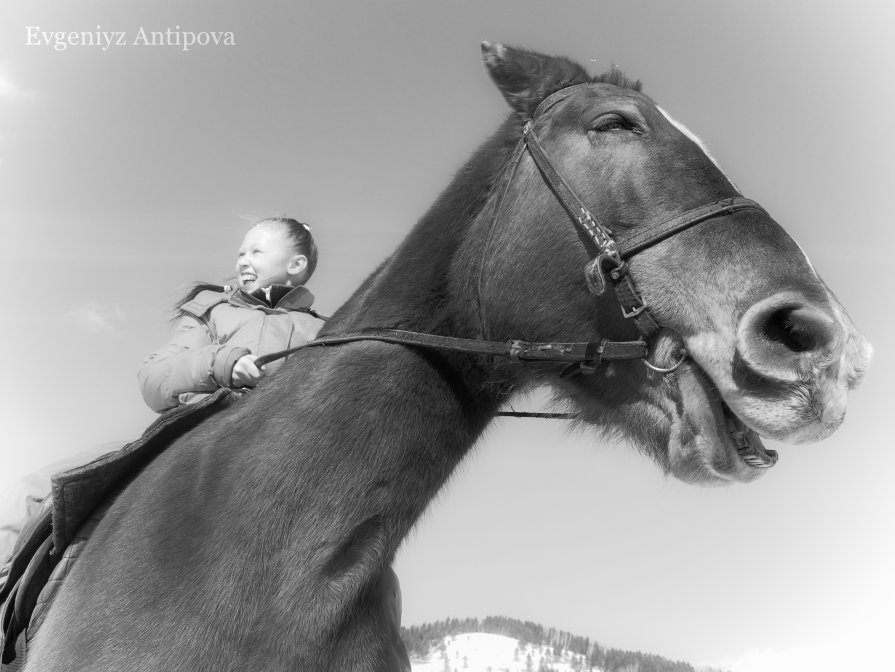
x=609, y=261
x=611, y=255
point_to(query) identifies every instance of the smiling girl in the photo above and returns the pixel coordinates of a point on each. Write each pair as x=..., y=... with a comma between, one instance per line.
x=221, y=331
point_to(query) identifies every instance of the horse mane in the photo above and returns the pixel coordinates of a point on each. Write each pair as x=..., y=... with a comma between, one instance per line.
x=428, y=248
x=616, y=77
x=473, y=183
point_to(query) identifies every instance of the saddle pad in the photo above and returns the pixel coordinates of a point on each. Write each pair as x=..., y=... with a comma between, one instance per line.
x=78, y=491
x=76, y=500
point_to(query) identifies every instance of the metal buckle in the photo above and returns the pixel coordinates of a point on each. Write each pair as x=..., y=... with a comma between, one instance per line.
x=515, y=350
x=595, y=271
x=592, y=365
x=635, y=311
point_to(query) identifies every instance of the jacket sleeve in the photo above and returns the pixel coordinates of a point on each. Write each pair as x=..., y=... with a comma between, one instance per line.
x=191, y=362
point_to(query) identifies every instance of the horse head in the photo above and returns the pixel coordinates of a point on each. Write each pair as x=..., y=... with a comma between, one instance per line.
x=771, y=352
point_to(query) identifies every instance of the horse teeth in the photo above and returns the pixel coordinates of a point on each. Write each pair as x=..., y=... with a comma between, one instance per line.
x=747, y=442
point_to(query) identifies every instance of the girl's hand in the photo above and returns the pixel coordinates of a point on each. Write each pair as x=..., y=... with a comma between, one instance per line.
x=245, y=373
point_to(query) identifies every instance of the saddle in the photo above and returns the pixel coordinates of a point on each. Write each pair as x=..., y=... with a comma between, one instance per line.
x=49, y=543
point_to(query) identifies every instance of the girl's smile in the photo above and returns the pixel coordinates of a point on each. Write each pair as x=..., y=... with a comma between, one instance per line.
x=267, y=257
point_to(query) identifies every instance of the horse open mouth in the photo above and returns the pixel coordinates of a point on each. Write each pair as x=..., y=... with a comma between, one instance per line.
x=748, y=443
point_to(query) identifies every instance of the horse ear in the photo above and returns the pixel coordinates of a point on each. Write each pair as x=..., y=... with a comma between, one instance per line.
x=525, y=77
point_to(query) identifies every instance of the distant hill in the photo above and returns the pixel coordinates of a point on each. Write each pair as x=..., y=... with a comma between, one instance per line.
x=501, y=644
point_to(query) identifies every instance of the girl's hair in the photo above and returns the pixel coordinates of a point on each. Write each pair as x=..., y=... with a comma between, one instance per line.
x=194, y=290
x=300, y=235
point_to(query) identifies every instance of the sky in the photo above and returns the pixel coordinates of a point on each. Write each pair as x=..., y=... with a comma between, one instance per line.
x=128, y=172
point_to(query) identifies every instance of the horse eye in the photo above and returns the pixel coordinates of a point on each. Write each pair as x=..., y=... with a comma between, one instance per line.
x=611, y=124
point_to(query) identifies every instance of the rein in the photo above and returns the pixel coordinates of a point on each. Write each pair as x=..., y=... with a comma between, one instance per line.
x=585, y=354
x=610, y=260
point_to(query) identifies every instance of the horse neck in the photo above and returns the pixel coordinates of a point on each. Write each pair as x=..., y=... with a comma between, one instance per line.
x=382, y=428
x=387, y=424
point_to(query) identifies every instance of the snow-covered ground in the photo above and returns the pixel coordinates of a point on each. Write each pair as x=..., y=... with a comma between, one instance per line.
x=480, y=652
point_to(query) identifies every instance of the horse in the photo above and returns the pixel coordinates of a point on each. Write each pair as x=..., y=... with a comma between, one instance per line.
x=263, y=537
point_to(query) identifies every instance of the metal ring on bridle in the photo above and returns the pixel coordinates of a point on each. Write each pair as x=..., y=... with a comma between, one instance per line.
x=658, y=369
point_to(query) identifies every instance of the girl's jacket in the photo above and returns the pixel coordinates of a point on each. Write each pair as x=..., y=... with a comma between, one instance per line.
x=216, y=328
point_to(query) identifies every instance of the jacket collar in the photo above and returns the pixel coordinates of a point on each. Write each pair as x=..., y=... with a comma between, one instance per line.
x=282, y=297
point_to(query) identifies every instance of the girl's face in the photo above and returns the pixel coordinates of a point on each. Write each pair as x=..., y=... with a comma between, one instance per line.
x=267, y=257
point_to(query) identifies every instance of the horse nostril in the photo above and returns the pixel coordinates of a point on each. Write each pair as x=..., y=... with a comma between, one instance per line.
x=792, y=328
x=784, y=334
